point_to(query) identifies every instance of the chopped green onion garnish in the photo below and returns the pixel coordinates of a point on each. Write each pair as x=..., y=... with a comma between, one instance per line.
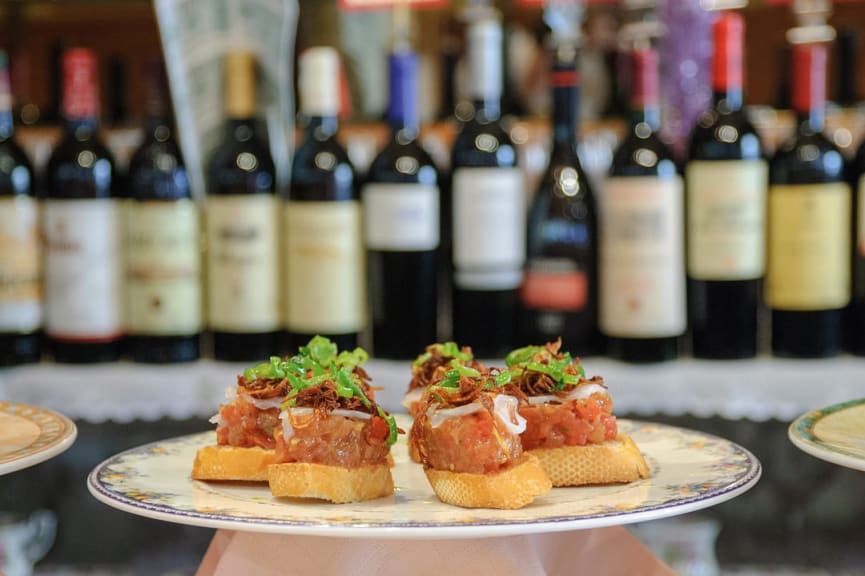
x=391, y=423
x=464, y=370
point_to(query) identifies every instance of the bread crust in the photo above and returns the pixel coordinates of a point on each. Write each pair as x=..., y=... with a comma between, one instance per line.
x=219, y=462
x=334, y=483
x=616, y=461
x=514, y=487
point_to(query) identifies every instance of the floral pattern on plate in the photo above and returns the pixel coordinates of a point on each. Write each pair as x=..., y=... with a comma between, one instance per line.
x=31, y=435
x=690, y=471
x=835, y=434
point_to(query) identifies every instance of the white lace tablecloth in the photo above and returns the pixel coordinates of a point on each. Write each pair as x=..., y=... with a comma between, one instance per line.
x=754, y=389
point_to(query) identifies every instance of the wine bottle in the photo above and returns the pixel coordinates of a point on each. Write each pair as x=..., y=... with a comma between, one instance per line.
x=326, y=285
x=808, y=277
x=20, y=249
x=559, y=294
x=401, y=225
x=488, y=204
x=83, y=300
x=241, y=227
x=162, y=244
x=725, y=181
x=642, y=260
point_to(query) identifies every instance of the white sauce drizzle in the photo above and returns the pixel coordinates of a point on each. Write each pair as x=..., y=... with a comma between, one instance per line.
x=578, y=393
x=263, y=404
x=437, y=417
x=505, y=409
x=288, y=430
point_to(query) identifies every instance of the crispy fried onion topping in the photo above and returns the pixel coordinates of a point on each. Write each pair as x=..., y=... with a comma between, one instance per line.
x=435, y=365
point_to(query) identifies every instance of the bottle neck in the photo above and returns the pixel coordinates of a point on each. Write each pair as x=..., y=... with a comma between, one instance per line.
x=7, y=126
x=566, y=94
x=648, y=115
x=809, y=86
x=82, y=128
x=485, y=68
x=728, y=33
x=487, y=109
x=240, y=129
x=728, y=100
x=158, y=128
x=80, y=93
x=811, y=121
x=402, y=111
x=645, y=103
x=322, y=127
x=404, y=132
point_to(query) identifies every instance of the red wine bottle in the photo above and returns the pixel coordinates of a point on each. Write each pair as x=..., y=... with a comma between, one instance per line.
x=83, y=300
x=324, y=255
x=20, y=248
x=559, y=294
x=162, y=248
x=808, y=278
x=642, y=260
x=242, y=238
x=401, y=209
x=488, y=204
x=726, y=180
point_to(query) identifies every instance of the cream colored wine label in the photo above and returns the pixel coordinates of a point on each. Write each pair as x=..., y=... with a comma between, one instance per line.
x=242, y=263
x=20, y=265
x=325, y=267
x=642, y=258
x=83, y=290
x=726, y=220
x=809, y=247
x=163, y=268
x=860, y=217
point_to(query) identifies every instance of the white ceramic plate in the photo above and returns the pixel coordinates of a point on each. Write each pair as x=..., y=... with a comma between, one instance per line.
x=835, y=434
x=690, y=471
x=30, y=435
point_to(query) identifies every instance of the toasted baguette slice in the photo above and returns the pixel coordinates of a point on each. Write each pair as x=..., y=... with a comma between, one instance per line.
x=613, y=462
x=232, y=463
x=513, y=487
x=334, y=483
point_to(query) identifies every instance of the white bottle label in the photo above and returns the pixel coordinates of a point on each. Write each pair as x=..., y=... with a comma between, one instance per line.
x=325, y=267
x=642, y=275
x=489, y=227
x=20, y=265
x=163, y=294
x=726, y=219
x=82, y=270
x=401, y=217
x=242, y=263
